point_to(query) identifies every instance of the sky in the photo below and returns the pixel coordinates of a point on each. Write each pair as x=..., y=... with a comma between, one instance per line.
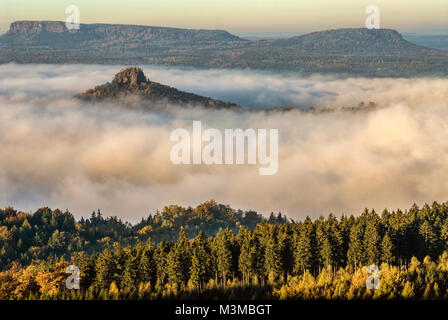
x=63, y=153
x=239, y=16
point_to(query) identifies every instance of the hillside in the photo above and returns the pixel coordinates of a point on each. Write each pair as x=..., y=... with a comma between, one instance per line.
x=430, y=41
x=356, y=51
x=354, y=41
x=132, y=81
x=322, y=259
x=25, y=237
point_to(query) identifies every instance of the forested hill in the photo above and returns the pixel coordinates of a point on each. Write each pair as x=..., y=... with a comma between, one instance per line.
x=321, y=259
x=356, y=51
x=26, y=237
x=355, y=41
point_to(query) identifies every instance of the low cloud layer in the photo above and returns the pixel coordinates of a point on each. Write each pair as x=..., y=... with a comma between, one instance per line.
x=58, y=152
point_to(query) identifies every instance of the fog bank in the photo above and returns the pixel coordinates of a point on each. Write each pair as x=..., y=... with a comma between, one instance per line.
x=57, y=151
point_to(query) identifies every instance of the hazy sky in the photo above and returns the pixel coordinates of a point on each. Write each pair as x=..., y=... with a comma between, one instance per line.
x=238, y=16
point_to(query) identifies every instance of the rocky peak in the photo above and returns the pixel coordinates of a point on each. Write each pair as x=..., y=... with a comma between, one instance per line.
x=130, y=77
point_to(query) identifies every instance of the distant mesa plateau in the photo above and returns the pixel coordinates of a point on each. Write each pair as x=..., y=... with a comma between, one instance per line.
x=350, y=51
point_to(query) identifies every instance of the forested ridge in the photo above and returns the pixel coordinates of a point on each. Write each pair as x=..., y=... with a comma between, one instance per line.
x=347, y=51
x=47, y=233
x=213, y=251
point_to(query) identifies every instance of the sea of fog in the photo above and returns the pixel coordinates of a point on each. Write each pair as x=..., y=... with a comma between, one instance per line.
x=59, y=152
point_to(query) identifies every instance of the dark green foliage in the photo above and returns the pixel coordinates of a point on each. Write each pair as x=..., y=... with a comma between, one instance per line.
x=201, y=262
x=303, y=246
x=387, y=249
x=372, y=243
x=222, y=255
x=273, y=264
x=178, y=261
x=130, y=275
x=25, y=237
x=105, y=268
x=267, y=255
x=355, y=254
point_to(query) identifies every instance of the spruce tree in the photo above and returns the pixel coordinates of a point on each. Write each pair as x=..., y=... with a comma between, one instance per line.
x=285, y=245
x=179, y=261
x=147, y=266
x=387, y=249
x=244, y=261
x=371, y=242
x=272, y=259
x=200, y=262
x=223, y=256
x=129, y=278
x=355, y=251
x=105, y=269
x=303, y=254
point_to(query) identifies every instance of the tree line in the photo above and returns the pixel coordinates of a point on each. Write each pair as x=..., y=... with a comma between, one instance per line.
x=324, y=258
x=26, y=238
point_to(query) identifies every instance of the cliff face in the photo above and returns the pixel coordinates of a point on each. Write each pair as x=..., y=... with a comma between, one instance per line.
x=34, y=27
x=130, y=77
x=112, y=31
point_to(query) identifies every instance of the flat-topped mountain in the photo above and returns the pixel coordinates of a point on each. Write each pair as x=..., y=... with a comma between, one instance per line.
x=89, y=31
x=354, y=41
x=95, y=36
x=132, y=81
x=355, y=51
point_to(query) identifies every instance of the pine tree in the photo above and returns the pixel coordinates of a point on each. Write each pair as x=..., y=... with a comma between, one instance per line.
x=223, y=256
x=129, y=278
x=251, y=258
x=371, y=242
x=334, y=234
x=355, y=248
x=256, y=257
x=105, y=269
x=160, y=259
x=444, y=235
x=200, y=262
x=244, y=261
x=326, y=253
x=120, y=262
x=286, y=249
x=324, y=249
x=272, y=259
x=303, y=247
x=387, y=249
x=179, y=261
x=147, y=266
x=428, y=237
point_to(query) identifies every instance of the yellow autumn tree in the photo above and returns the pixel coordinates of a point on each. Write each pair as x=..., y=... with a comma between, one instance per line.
x=50, y=282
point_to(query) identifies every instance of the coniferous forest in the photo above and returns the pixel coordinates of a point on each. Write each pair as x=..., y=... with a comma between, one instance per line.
x=215, y=252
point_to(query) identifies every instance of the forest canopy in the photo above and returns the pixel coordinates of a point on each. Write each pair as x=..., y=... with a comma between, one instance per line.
x=214, y=251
